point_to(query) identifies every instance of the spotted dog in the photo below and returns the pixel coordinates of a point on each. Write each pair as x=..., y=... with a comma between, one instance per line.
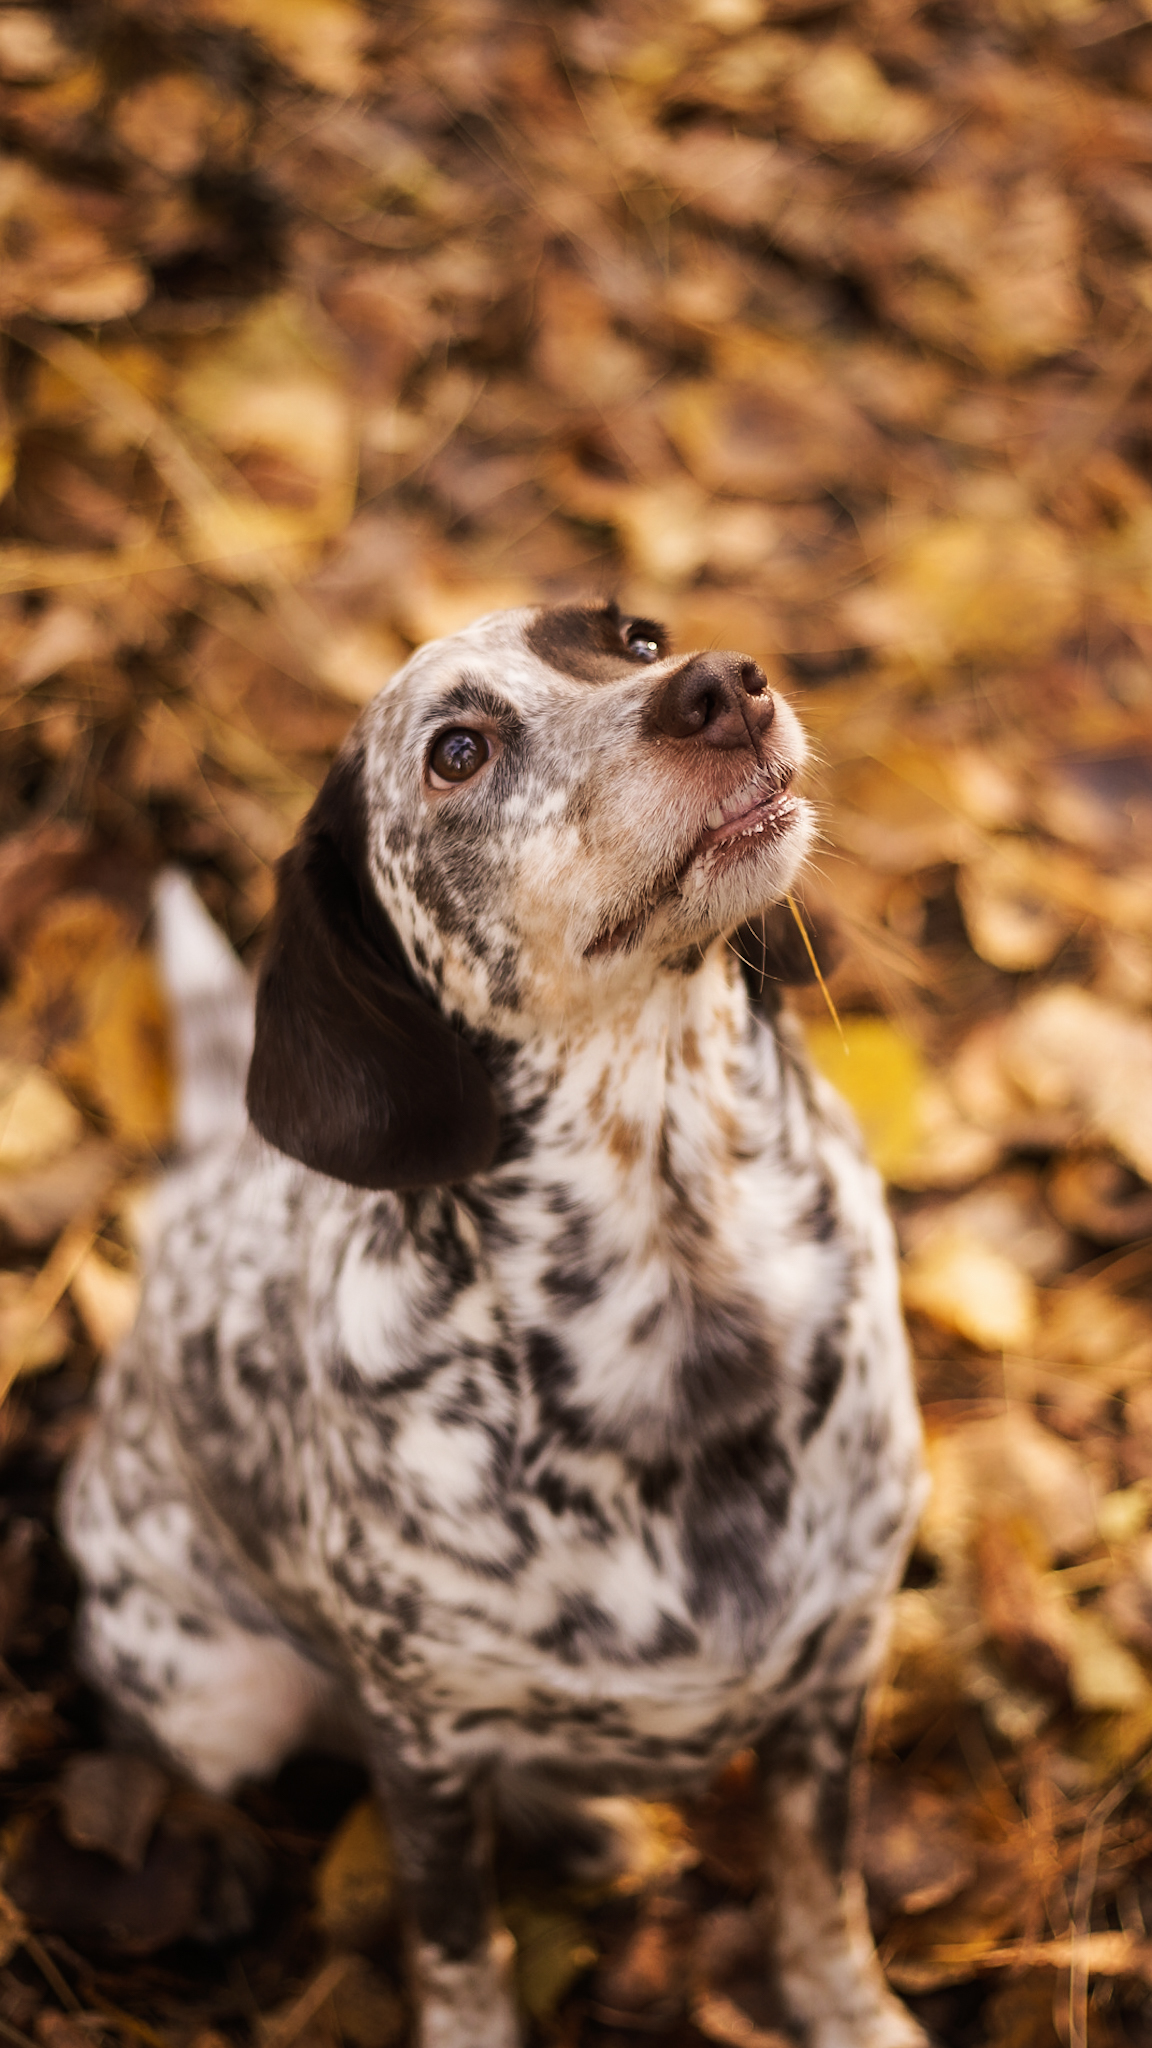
x=522, y=1392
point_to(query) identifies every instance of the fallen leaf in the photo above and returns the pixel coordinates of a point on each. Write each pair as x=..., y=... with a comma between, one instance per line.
x=107, y=1298
x=916, y=1853
x=843, y=97
x=553, y=1948
x=63, y=262
x=86, y=1896
x=355, y=1879
x=36, y=1206
x=1009, y=925
x=1093, y=1193
x=34, y=1338
x=1012, y=1465
x=321, y=40
x=963, y=586
x=37, y=1121
x=111, y=1801
x=881, y=1074
x=92, y=1000
x=962, y=1284
x=1066, y=1048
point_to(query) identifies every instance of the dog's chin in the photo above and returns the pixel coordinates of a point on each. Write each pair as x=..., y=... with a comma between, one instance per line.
x=743, y=874
x=728, y=879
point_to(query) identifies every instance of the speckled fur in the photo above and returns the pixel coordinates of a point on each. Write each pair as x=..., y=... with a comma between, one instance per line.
x=579, y=1475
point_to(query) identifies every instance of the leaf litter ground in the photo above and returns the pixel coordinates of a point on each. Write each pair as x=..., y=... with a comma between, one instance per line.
x=818, y=331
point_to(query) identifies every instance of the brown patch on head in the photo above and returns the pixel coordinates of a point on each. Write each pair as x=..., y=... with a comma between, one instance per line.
x=594, y=643
x=625, y=1140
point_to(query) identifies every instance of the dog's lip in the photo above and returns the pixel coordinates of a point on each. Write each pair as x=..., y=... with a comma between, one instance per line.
x=750, y=809
x=762, y=807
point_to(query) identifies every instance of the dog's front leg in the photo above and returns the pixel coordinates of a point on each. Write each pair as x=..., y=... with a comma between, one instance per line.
x=829, y=1971
x=461, y=1959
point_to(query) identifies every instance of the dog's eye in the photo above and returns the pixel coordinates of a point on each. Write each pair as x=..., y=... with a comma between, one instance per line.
x=458, y=754
x=643, y=640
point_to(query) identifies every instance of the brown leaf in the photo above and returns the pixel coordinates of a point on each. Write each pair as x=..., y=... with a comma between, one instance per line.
x=86, y=1896
x=917, y=1853
x=63, y=262
x=355, y=1879
x=112, y=1801
x=35, y=1206
x=92, y=1002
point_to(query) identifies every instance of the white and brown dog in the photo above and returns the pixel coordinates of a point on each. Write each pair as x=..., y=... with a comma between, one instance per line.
x=527, y=1391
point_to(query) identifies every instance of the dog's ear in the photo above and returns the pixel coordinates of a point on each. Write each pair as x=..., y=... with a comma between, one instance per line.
x=354, y=1071
x=773, y=955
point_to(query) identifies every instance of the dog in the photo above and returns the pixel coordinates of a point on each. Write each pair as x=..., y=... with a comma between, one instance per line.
x=523, y=1389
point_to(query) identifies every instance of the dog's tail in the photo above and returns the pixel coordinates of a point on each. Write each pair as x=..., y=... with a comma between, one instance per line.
x=211, y=1003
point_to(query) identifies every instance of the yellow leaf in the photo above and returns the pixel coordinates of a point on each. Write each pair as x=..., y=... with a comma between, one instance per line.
x=1104, y=1677
x=552, y=1949
x=355, y=1880
x=972, y=587
x=37, y=1121
x=1123, y=1515
x=881, y=1076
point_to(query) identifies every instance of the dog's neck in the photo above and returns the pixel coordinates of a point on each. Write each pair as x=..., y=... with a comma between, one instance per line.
x=623, y=1223
x=620, y=1080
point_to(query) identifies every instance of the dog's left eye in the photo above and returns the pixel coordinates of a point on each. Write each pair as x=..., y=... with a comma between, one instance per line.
x=458, y=754
x=642, y=640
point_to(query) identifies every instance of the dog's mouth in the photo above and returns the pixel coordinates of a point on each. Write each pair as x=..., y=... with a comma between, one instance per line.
x=763, y=807
x=760, y=811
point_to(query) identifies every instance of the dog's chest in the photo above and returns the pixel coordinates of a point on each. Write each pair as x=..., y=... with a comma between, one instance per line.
x=597, y=1461
x=649, y=1479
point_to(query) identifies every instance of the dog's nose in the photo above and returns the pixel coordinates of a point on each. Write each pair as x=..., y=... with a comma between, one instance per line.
x=705, y=700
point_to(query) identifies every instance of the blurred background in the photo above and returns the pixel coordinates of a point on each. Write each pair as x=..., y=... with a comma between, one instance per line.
x=819, y=331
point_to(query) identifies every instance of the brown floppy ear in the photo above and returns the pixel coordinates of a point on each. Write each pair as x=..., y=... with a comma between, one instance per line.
x=354, y=1071
x=773, y=955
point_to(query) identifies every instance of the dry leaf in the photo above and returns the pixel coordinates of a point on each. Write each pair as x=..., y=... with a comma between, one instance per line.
x=966, y=1286
x=843, y=97
x=1008, y=1465
x=968, y=588
x=916, y=1850
x=322, y=40
x=355, y=1879
x=111, y=1802
x=35, y=1206
x=62, y=261
x=553, y=1949
x=107, y=1299
x=93, y=1001
x=32, y=1336
x=1066, y=1048
x=1014, y=928
x=37, y=1121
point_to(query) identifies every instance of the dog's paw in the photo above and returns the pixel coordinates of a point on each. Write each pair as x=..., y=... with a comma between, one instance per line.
x=468, y=2003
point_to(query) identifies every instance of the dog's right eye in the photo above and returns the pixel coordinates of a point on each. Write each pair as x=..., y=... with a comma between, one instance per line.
x=458, y=754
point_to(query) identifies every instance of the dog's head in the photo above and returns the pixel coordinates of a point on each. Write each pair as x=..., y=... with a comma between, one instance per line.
x=533, y=818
